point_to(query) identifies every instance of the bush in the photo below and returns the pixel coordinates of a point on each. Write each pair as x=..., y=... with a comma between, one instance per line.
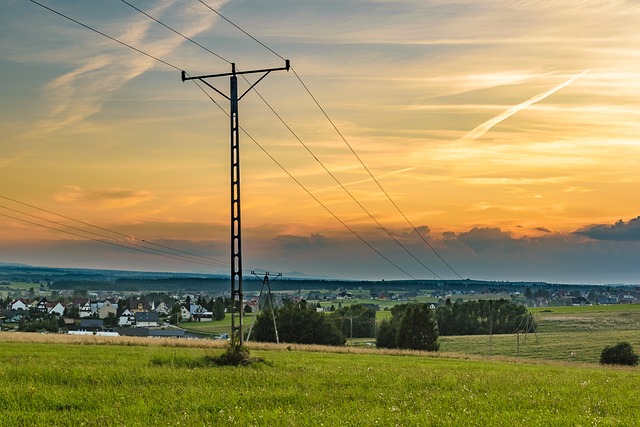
x=235, y=354
x=412, y=326
x=619, y=354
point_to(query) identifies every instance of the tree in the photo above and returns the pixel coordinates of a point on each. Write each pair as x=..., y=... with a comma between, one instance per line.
x=418, y=329
x=80, y=293
x=218, y=309
x=71, y=312
x=386, y=335
x=355, y=321
x=175, y=314
x=619, y=354
x=484, y=317
x=528, y=295
x=412, y=326
x=111, y=321
x=297, y=322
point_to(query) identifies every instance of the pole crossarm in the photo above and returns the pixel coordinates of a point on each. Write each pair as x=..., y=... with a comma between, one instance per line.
x=237, y=310
x=235, y=72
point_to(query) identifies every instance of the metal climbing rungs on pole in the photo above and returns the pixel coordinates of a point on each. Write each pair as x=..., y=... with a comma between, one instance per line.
x=237, y=297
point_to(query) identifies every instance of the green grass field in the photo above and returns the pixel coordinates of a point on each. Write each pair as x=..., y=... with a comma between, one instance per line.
x=564, y=333
x=134, y=384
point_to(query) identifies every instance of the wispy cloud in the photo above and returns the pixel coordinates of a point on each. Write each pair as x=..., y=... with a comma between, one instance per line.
x=104, y=197
x=480, y=130
x=81, y=92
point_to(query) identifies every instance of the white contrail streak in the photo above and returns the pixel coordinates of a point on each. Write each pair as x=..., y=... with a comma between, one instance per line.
x=480, y=130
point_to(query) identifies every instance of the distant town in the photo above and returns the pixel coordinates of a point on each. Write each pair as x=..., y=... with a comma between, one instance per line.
x=79, y=301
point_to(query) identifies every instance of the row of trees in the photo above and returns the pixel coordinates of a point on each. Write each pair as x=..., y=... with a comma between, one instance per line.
x=483, y=317
x=411, y=326
x=297, y=322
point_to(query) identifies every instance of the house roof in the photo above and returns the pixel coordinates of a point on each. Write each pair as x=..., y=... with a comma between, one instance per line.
x=150, y=316
x=135, y=302
x=80, y=301
x=91, y=323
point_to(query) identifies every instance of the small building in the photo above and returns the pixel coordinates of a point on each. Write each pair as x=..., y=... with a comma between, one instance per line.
x=18, y=305
x=344, y=295
x=146, y=319
x=184, y=313
x=105, y=307
x=55, y=308
x=161, y=308
x=13, y=316
x=84, y=311
x=139, y=306
x=91, y=324
x=126, y=318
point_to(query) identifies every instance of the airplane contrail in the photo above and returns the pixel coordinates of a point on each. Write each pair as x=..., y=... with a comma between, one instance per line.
x=480, y=130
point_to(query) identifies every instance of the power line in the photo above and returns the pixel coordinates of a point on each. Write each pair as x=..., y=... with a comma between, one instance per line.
x=296, y=137
x=341, y=136
x=255, y=141
x=324, y=206
x=266, y=152
x=371, y=174
x=108, y=242
x=175, y=31
x=246, y=33
x=202, y=257
x=122, y=242
x=332, y=175
x=103, y=34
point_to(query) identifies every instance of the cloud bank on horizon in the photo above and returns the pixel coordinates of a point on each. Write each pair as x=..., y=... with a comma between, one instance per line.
x=507, y=131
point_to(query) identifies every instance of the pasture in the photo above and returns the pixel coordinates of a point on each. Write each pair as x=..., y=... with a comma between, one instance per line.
x=99, y=381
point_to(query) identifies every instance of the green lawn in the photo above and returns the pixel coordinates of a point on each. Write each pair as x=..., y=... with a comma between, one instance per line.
x=140, y=383
x=575, y=334
x=216, y=327
x=135, y=385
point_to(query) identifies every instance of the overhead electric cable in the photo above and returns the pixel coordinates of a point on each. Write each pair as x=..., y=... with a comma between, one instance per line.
x=355, y=233
x=103, y=34
x=255, y=141
x=398, y=242
x=246, y=33
x=176, y=31
x=127, y=236
x=372, y=176
x=324, y=206
x=108, y=242
x=122, y=242
x=341, y=136
x=332, y=175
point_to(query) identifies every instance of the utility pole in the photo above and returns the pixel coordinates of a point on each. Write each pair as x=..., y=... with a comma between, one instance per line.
x=267, y=281
x=237, y=310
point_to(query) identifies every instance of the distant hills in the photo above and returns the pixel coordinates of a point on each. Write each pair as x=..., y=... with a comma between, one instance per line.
x=122, y=280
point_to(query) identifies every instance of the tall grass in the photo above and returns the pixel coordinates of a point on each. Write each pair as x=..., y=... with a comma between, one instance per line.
x=63, y=384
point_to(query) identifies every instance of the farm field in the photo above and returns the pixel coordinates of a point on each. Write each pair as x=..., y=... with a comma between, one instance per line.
x=91, y=381
x=564, y=333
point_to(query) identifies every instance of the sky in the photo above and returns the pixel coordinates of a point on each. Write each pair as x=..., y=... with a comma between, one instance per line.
x=503, y=136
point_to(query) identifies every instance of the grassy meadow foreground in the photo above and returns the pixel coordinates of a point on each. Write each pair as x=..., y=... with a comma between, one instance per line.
x=100, y=381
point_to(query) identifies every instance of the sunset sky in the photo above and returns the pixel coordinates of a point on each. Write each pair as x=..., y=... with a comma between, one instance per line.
x=507, y=132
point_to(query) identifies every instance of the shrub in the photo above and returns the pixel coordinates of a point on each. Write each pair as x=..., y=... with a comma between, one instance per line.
x=619, y=354
x=235, y=354
x=412, y=326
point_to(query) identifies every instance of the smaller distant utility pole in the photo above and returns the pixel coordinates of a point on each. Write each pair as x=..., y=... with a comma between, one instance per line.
x=237, y=309
x=266, y=281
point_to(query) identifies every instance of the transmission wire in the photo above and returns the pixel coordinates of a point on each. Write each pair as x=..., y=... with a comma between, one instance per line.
x=343, y=139
x=206, y=258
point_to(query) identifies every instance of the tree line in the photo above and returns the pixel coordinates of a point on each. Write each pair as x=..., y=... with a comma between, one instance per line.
x=411, y=326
